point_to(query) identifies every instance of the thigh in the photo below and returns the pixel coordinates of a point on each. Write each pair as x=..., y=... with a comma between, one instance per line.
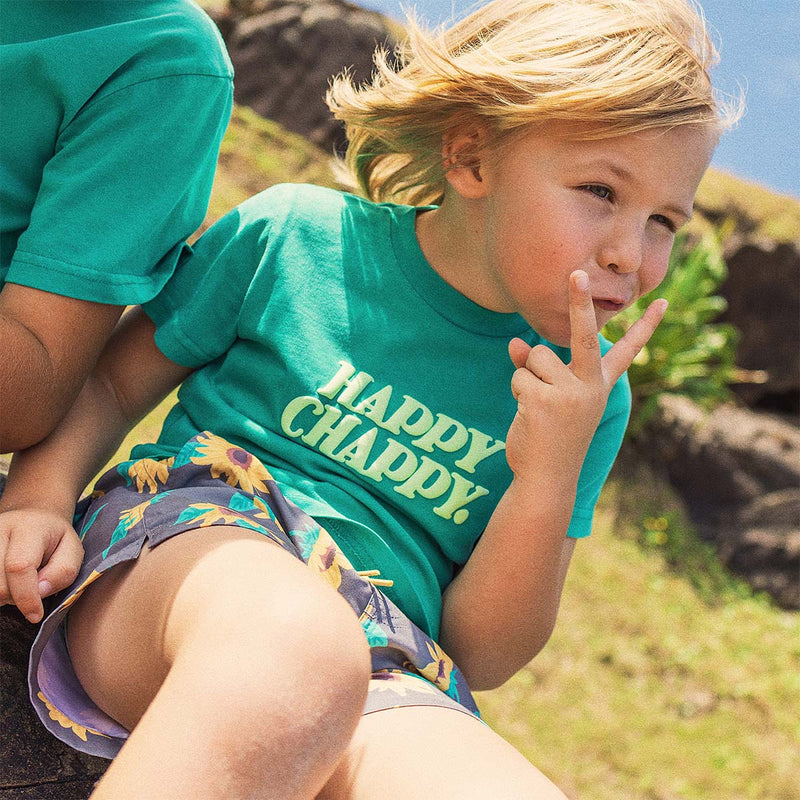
x=125, y=629
x=420, y=752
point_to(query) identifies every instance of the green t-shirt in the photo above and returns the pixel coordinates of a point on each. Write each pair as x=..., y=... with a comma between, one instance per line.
x=377, y=395
x=112, y=115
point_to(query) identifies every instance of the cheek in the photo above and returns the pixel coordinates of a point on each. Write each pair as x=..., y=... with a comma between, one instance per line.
x=653, y=273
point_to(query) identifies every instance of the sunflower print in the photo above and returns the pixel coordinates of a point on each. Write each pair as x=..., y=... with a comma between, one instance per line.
x=253, y=506
x=440, y=668
x=305, y=539
x=204, y=515
x=149, y=473
x=234, y=464
x=400, y=683
x=86, y=524
x=376, y=636
x=328, y=561
x=129, y=519
x=65, y=722
x=81, y=589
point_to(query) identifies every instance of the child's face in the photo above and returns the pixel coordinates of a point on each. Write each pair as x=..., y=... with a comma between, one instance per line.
x=609, y=207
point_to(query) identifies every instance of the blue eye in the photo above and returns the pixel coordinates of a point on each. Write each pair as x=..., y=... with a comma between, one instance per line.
x=666, y=222
x=603, y=192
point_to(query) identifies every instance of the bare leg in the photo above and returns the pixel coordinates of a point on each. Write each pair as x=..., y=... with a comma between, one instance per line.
x=241, y=673
x=420, y=752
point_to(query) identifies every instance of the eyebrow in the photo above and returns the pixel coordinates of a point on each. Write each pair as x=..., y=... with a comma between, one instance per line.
x=627, y=175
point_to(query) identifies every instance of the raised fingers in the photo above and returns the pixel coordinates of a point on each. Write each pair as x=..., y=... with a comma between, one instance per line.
x=621, y=355
x=584, y=344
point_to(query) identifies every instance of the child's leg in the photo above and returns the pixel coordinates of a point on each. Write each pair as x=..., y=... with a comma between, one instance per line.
x=420, y=752
x=243, y=673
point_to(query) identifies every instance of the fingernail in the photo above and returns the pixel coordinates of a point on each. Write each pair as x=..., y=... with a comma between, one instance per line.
x=45, y=587
x=581, y=280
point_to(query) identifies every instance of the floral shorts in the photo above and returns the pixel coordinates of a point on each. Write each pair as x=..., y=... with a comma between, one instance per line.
x=211, y=482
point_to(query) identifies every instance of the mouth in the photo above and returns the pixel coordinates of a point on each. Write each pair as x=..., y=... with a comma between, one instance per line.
x=607, y=304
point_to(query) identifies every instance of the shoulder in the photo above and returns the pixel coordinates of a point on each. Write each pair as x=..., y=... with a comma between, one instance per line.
x=201, y=44
x=276, y=212
x=160, y=39
x=303, y=206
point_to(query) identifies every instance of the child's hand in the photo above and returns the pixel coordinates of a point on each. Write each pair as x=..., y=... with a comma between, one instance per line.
x=560, y=405
x=40, y=554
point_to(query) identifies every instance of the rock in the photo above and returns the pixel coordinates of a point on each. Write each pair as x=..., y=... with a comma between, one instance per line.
x=767, y=548
x=285, y=52
x=763, y=294
x=34, y=764
x=738, y=472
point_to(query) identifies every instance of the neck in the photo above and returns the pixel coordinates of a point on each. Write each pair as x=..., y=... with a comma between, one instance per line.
x=452, y=240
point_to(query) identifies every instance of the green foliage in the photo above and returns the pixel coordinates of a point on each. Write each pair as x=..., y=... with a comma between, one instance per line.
x=689, y=353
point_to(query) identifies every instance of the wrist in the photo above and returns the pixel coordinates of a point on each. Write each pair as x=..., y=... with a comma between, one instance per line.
x=552, y=484
x=62, y=509
x=21, y=495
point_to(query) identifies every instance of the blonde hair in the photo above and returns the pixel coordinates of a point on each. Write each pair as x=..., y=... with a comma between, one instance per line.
x=612, y=66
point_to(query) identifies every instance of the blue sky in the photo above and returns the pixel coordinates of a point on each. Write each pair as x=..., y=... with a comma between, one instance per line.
x=759, y=44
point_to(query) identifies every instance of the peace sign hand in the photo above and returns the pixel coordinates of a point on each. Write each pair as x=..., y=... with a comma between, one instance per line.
x=560, y=405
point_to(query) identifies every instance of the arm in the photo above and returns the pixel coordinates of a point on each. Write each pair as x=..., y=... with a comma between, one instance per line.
x=50, y=344
x=113, y=207
x=501, y=608
x=39, y=549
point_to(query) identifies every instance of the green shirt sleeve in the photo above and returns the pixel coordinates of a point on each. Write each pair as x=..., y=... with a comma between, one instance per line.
x=197, y=312
x=118, y=198
x=600, y=457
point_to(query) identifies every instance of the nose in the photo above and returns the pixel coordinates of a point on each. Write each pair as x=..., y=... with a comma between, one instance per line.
x=622, y=251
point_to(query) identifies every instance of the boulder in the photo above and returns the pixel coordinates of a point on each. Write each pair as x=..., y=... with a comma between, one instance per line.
x=761, y=246
x=34, y=765
x=738, y=473
x=763, y=294
x=285, y=52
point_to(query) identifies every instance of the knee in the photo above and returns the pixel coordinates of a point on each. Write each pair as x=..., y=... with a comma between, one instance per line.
x=275, y=646
x=326, y=649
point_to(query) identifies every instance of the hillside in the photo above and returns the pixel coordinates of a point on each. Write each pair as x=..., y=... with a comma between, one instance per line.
x=760, y=214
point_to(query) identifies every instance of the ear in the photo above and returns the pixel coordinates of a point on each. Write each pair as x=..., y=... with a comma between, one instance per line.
x=462, y=151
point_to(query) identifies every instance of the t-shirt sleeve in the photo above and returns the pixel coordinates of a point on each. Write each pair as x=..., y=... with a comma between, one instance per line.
x=600, y=458
x=128, y=183
x=197, y=312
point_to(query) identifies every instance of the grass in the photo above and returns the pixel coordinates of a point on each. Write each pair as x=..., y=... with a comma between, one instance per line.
x=659, y=683
x=257, y=153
